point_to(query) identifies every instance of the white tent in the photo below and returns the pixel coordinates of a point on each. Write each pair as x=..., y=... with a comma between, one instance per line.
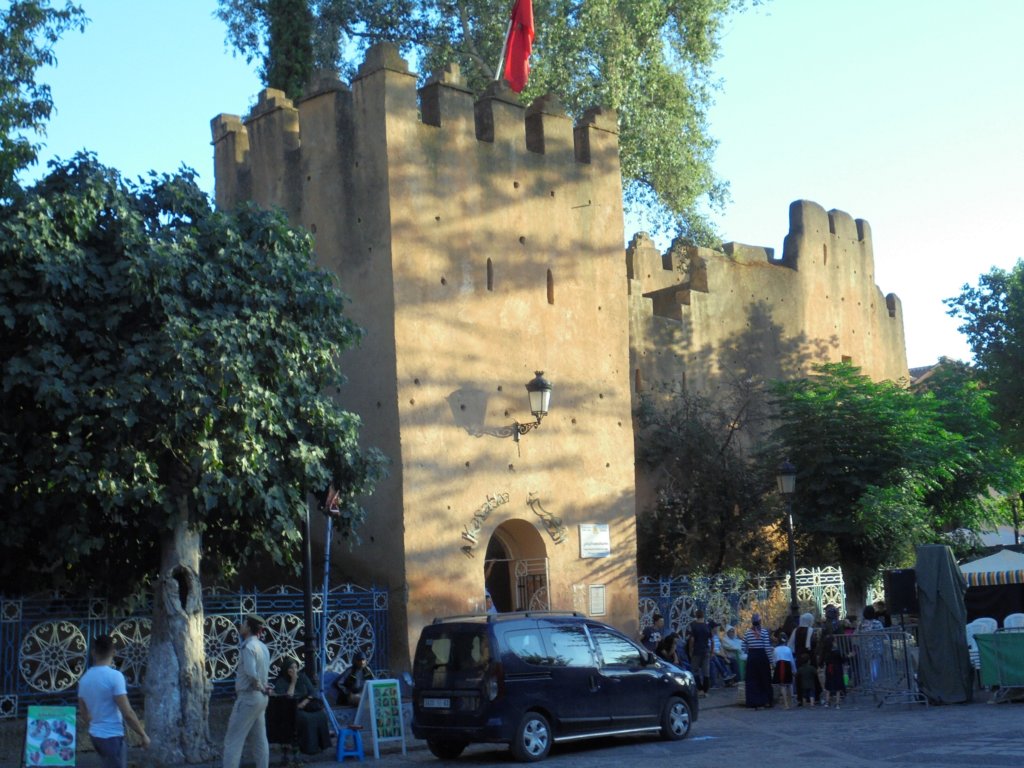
x=1004, y=567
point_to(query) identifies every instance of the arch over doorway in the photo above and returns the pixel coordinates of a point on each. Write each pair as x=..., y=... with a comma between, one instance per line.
x=516, y=567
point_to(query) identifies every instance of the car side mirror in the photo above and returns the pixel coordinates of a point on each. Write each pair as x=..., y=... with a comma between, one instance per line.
x=649, y=659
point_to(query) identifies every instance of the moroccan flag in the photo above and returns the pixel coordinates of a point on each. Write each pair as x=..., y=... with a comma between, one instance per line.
x=519, y=45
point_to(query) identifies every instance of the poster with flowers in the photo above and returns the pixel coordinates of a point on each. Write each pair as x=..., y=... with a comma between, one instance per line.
x=50, y=736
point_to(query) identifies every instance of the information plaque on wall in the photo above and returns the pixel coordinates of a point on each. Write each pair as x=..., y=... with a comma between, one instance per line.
x=595, y=540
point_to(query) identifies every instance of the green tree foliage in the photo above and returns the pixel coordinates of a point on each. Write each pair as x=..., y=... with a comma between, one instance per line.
x=28, y=31
x=711, y=512
x=651, y=60
x=882, y=468
x=289, y=61
x=993, y=320
x=158, y=353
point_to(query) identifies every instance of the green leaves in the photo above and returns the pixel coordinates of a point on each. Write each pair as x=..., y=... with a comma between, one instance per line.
x=883, y=467
x=156, y=349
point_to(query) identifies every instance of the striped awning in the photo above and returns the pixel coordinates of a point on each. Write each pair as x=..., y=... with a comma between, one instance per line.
x=1004, y=567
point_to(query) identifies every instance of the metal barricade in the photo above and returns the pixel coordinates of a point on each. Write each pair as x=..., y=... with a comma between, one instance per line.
x=882, y=665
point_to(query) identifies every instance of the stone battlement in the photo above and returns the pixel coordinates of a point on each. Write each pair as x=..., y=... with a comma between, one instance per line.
x=262, y=156
x=703, y=317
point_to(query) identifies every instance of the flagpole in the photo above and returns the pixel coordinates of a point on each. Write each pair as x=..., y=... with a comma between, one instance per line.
x=504, y=47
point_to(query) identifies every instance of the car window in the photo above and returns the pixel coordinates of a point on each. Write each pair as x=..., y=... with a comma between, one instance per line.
x=456, y=649
x=616, y=650
x=528, y=645
x=568, y=646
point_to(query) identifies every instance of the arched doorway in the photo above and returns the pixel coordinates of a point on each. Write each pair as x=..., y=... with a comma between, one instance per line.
x=516, y=568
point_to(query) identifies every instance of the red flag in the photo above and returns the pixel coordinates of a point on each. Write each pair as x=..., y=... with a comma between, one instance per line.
x=519, y=45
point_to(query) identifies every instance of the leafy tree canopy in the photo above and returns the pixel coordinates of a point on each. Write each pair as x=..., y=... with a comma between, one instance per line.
x=28, y=31
x=711, y=512
x=651, y=60
x=882, y=468
x=162, y=358
x=993, y=321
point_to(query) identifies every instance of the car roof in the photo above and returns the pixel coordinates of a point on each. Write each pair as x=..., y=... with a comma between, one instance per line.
x=492, y=618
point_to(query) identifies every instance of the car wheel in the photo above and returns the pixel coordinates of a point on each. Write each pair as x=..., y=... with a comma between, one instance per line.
x=676, y=719
x=446, y=750
x=532, y=740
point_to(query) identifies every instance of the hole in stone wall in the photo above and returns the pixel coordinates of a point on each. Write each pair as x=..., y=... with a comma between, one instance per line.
x=490, y=275
x=824, y=254
x=416, y=382
x=552, y=193
x=437, y=218
x=499, y=387
x=313, y=229
x=551, y=288
x=522, y=240
x=515, y=185
x=462, y=407
x=444, y=281
x=638, y=383
x=412, y=402
x=467, y=463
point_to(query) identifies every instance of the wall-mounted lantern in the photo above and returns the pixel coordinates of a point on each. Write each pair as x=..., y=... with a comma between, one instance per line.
x=539, y=390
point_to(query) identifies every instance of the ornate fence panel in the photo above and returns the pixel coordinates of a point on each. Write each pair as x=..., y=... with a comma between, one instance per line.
x=44, y=641
x=723, y=597
x=720, y=597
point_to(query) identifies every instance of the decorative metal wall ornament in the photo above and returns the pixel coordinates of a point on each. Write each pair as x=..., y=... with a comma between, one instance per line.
x=348, y=633
x=556, y=529
x=471, y=532
x=283, y=634
x=131, y=638
x=52, y=656
x=221, y=642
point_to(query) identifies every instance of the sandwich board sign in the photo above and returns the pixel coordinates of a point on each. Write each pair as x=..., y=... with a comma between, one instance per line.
x=50, y=736
x=385, y=712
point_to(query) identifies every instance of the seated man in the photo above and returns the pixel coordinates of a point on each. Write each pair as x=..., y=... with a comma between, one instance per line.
x=352, y=681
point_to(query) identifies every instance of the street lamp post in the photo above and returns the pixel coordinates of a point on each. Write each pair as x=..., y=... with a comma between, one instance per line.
x=786, y=479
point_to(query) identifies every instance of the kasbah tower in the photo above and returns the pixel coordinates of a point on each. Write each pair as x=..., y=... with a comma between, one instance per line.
x=480, y=242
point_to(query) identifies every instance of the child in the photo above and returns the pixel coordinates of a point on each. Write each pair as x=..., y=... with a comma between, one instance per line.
x=783, y=677
x=806, y=680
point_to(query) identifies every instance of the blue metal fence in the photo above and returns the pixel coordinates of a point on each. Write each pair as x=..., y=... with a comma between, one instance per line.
x=723, y=597
x=44, y=640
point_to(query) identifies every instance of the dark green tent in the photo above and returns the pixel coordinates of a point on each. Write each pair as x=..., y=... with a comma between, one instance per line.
x=944, y=666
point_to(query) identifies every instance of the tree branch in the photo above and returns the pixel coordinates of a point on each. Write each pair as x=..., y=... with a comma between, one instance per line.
x=470, y=48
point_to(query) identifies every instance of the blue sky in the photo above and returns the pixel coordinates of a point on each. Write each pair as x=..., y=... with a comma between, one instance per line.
x=907, y=113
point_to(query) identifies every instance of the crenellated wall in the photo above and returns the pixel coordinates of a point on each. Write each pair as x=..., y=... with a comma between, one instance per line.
x=479, y=241
x=711, y=320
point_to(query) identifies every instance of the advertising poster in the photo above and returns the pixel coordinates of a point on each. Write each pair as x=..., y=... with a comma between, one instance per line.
x=385, y=713
x=50, y=736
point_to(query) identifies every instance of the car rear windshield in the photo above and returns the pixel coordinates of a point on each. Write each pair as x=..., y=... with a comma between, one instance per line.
x=451, y=657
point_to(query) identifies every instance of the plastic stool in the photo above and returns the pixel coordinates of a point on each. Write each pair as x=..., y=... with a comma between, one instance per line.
x=355, y=732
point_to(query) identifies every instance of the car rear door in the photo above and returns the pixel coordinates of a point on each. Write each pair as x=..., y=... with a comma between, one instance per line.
x=632, y=689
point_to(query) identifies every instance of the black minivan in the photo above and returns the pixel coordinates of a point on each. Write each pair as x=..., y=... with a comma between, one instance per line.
x=531, y=679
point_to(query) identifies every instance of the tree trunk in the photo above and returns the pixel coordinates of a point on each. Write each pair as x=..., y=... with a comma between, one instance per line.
x=177, y=691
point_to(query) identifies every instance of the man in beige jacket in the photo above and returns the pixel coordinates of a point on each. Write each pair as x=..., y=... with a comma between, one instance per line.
x=252, y=689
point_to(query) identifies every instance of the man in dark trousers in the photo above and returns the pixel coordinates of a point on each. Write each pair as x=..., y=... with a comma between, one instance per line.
x=698, y=646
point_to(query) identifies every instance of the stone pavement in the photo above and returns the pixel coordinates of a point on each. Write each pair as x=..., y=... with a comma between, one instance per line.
x=858, y=735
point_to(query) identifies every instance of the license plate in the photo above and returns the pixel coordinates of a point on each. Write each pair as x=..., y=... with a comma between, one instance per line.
x=437, y=703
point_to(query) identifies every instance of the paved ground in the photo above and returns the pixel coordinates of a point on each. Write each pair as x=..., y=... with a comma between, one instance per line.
x=859, y=735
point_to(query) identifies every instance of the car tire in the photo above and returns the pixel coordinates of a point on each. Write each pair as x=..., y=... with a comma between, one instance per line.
x=676, y=719
x=532, y=739
x=445, y=750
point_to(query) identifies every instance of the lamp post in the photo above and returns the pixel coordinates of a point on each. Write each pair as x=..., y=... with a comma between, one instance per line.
x=786, y=479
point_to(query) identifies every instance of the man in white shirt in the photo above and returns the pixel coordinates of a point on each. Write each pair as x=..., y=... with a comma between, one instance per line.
x=252, y=690
x=103, y=702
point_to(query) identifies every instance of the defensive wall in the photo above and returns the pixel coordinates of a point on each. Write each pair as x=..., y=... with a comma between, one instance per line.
x=479, y=241
x=711, y=320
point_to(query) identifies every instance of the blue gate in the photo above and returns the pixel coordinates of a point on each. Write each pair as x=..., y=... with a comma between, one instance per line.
x=44, y=641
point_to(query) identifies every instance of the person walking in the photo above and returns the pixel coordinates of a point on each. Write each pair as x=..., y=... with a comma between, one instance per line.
x=698, y=647
x=252, y=691
x=758, y=645
x=103, y=702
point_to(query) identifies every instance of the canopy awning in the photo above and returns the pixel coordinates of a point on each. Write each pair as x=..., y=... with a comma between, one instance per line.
x=1004, y=567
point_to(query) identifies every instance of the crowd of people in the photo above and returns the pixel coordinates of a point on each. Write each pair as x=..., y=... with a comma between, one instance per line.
x=800, y=663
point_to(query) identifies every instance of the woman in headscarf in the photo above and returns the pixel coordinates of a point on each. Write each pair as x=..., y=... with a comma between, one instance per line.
x=805, y=640
x=312, y=731
x=758, y=645
x=832, y=657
